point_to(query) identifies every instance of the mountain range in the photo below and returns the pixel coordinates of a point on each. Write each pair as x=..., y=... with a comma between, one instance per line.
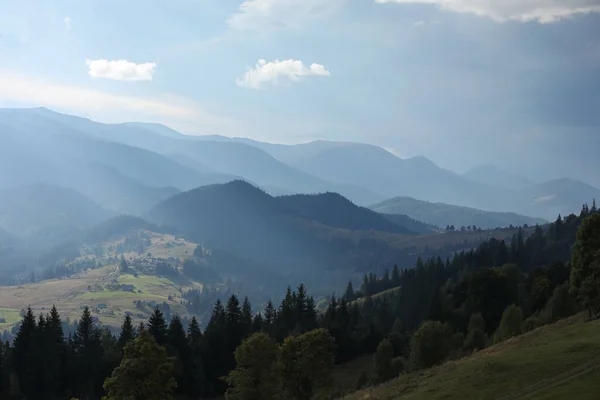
x=132, y=167
x=442, y=214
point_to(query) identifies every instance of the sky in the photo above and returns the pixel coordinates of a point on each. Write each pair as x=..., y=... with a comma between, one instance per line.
x=515, y=83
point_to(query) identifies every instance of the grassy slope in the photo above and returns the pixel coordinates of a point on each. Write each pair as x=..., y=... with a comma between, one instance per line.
x=504, y=370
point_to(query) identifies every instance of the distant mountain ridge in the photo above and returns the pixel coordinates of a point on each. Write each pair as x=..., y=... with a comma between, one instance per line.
x=334, y=210
x=442, y=215
x=491, y=174
x=130, y=167
x=43, y=209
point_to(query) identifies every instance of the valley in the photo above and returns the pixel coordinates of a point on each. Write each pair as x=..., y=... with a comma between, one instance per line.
x=121, y=235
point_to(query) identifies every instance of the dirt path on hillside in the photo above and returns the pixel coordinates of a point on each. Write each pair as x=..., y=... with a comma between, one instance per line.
x=553, y=381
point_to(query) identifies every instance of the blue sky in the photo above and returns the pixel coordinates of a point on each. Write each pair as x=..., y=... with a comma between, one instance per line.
x=463, y=82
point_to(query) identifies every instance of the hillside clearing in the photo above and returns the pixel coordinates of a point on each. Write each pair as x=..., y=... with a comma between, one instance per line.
x=523, y=366
x=102, y=289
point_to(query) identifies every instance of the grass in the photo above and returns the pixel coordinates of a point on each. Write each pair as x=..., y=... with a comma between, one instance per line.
x=10, y=315
x=585, y=387
x=506, y=368
x=346, y=375
x=380, y=294
x=69, y=295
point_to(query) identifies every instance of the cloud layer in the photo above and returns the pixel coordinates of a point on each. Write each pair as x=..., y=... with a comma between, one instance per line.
x=276, y=71
x=67, y=21
x=120, y=70
x=542, y=11
x=255, y=15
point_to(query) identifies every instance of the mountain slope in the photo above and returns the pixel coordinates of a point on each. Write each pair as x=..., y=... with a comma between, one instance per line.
x=492, y=175
x=285, y=233
x=381, y=172
x=39, y=208
x=211, y=155
x=558, y=361
x=240, y=218
x=412, y=224
x=334, y=210
x=559, y=196
x=442, y=214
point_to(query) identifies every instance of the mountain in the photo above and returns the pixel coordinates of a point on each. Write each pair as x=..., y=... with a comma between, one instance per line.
x=411, y=224
x=214, y=157
x=241, y=218
x=158, y=128
x=44, y=146
x=381, y=172
x=285, y=233
x=334, y=210
x=38, y=149
x=559, y=196
x=495, y=176
x=45, y=209
x=441, y=214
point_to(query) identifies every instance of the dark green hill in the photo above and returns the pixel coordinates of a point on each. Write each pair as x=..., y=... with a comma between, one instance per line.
x=409, y=223
x=335, y=210
x=240, y=217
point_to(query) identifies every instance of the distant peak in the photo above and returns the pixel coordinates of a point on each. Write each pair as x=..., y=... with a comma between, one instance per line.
x=420, y=160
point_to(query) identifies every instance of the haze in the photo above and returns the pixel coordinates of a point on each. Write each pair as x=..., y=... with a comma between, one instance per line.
x=464, y=83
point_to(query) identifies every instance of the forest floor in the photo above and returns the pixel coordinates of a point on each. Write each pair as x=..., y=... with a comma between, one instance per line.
x=558, y=361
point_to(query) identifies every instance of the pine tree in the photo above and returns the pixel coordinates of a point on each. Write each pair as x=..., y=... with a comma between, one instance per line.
x=56, y=354
x=216, y=346
x=270, y=319
x=246, y=317
x=195, y=378
x=194, y=333
x=395, y=276
x=23, y=346
x=585, y=263
x=157, y=326
x=257, y=323
x=127, y=332
x=87, y=350
x=349, y=293
x=179, y=347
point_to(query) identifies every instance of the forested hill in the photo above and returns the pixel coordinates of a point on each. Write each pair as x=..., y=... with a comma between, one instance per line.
x=442, y=215
x=287, y=232
x=334, y=210
x=442, y=310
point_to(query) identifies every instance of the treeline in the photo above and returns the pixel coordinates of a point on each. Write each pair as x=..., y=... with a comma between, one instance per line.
x=44, y=364
x=442, y=309
x=541, y=248
x=446, y=309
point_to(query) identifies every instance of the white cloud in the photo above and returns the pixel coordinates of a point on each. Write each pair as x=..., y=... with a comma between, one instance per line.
x=256, y=15
x=176, y=112
x=542, y=11
x=120, y=70
x=68, y=22
x=419, y=23
x=276, y=71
